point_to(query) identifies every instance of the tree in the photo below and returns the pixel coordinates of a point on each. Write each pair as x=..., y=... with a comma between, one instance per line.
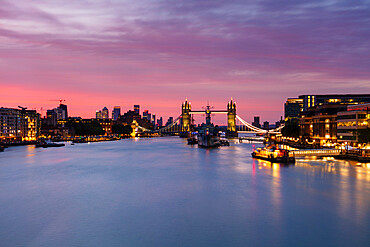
x=290, y=130
x=86, y=129
x=121, y=129
x=364, y=135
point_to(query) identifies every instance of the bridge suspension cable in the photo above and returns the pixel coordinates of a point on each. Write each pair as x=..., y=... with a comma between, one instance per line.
x=176, y=121
x=256, y=129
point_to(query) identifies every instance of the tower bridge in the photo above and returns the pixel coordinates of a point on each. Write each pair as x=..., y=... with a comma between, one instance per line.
x=183, y=123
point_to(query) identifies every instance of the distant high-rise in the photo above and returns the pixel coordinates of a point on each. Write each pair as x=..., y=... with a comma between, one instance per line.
x=98, y=115
x=153, y=119
x=137, y=109
x=256, y=122
x=61, y=114
x=51, y=117
x=116, y=113
x=105, y=113
x=266, y=125
x=160, y=121
x=64, y=107
x=147, y=116
x=169, y=121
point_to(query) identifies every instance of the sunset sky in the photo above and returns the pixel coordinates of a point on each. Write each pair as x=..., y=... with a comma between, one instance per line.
x=157, y=53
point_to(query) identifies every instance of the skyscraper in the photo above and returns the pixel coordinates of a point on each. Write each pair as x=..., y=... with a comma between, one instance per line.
x=169, y=121
x=147, y=116
x=256, y=122
x=64, y=107
x=153, y=119
x=137, y=109
x=116, y=113
x=160, y=122
x=98, y=115
x=105, y=113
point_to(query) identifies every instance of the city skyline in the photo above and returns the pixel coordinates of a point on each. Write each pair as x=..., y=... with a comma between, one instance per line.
x=95, y=54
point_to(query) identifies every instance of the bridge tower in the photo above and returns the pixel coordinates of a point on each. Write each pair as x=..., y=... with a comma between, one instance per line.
x=185, y=115
x=231, y=117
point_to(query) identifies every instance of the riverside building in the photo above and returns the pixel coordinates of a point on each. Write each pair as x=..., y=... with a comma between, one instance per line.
x=356, y=117
x=19, y=125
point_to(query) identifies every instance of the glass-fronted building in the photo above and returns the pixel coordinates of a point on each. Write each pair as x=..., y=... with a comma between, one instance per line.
x=349, y=122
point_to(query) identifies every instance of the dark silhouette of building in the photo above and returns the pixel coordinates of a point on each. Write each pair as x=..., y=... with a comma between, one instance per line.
x=256, y=122
x=137, y=109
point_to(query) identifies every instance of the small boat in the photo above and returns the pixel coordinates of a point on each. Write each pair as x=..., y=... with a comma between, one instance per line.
x=274, y=154
x=47, y=144
x=2, y=148
x=82, y=140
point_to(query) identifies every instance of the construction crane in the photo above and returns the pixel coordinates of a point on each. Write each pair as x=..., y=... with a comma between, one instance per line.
x=23, y=108
x=60, y=100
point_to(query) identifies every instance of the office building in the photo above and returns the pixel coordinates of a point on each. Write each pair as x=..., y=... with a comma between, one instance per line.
x=65, y=113
x=256, y=122
x=98, y=115
x=342, y=99
x=349, y=122
x=51, y=118
x=293, y=107
x=160, y=122
x=105, y=113
x=153, y=119
x=116, y=113
x=266, y=125
x=169, y=121
x=137, y=109
x=18, y=124
x=147, y=116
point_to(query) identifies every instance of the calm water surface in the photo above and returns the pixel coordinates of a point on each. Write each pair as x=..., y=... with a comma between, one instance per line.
x=161, y=192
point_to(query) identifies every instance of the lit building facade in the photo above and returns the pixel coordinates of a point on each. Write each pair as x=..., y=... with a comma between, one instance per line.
x=10, y=123
x=319, y=124
x=107, y=125
x=105, y=113
x=349, y=122
x=98, y=115
x=31, y=125
x=293, y=107
x=18, y=124
x=342, y=99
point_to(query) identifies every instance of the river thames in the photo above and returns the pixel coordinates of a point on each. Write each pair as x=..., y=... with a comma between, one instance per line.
x=162, y=192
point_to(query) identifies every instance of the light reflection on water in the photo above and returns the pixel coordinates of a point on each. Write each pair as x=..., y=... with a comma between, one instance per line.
x=162, y=192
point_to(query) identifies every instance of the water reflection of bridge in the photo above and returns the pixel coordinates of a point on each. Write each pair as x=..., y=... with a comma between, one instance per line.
x=184, y=122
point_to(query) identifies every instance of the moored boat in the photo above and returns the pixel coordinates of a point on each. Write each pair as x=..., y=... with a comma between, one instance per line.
x=207, y=133
x=274, y=154
x=192, y=140
x=47, y=144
